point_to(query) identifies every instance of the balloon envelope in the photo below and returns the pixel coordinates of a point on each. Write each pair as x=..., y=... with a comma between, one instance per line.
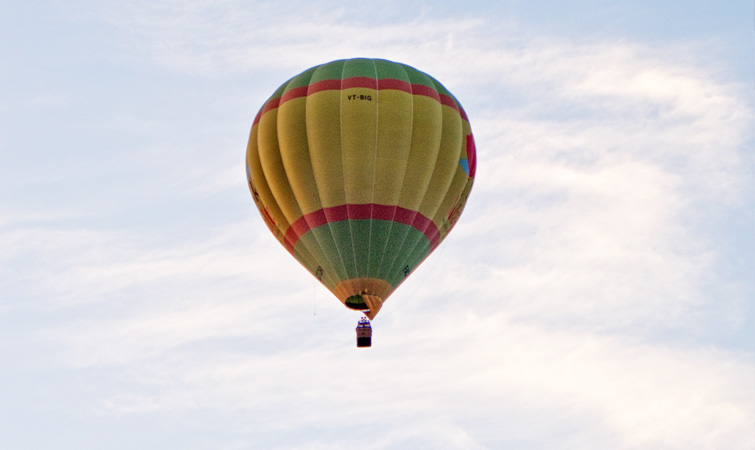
x=360, y=168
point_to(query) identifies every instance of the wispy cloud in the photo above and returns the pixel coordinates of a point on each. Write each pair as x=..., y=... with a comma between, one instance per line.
x=230, y=38
x=566, y=305
x=468, y=370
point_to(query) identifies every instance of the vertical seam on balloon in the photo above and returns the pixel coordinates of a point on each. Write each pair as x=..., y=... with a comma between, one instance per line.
x=418, y=243
x=403, y=180
x=326, y=274
x=336, y=261
x=470, y=179
x=267, y=184
x=343, y=166
x=303, y=255
x=277, y=142
x=392, y=267
x=388, y=269
x=413, y=247
x=304, y=248
x=374, y=166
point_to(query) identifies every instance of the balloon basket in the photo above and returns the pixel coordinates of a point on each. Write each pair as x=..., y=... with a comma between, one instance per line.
x=364, y=333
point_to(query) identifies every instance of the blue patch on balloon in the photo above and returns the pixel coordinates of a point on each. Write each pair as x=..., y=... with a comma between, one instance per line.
x=465, y=165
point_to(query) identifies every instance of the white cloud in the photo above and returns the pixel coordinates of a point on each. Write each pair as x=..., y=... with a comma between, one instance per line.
x=464, y=371
x=226, y=38
x=556, y=315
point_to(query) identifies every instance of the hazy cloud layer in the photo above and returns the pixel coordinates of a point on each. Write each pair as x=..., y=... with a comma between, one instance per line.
x=578, y=303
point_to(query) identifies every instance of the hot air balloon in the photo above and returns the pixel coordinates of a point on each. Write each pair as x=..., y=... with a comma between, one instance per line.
x=360, y=168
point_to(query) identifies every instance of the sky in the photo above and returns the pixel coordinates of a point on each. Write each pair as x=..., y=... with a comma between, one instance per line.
x=597, y=293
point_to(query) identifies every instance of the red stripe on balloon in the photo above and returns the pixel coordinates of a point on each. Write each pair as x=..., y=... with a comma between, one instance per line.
x=269, y=106
x=361, y=212
x=361, y=82
x=324, y=85
x=471, y=156
x=393, y=83
x=300, y=91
